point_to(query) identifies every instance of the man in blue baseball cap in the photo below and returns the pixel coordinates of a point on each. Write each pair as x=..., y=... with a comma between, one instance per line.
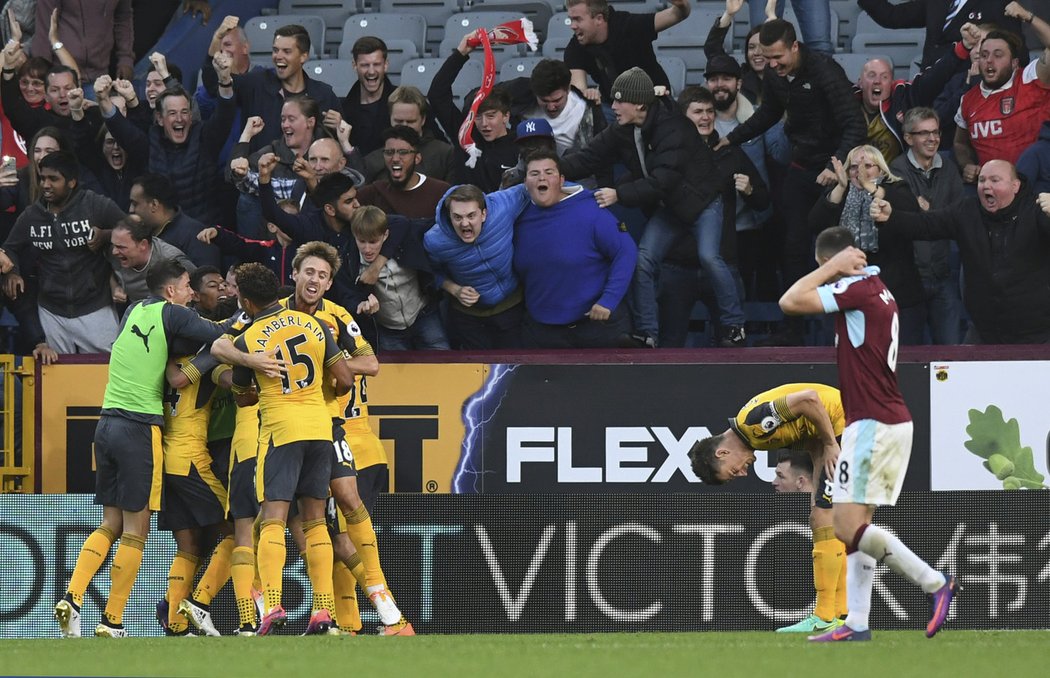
x=534, y=134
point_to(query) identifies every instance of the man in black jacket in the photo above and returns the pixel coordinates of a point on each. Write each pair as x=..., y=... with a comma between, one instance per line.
x=672, y=176
x=177, y=146
x=823, y=119
x=262, y=92
x=153, y=201
x=366, y=106
x=1004, y=242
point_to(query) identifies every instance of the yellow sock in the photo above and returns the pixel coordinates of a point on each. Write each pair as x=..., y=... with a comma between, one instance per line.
x=363, y=535
x=841, y=606
x=126, y=564
x=242, y=570
x=180, y=580
x=347, y=612
x=271, y=559
x=92, y=554
x=257, y=581
x=828, y=560
x=357, y=568
x=319, y=559
x=217, y=574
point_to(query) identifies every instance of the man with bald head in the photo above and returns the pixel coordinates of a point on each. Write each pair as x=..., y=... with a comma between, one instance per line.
x=1004, y=241
x=884, y=100
x=325, y=156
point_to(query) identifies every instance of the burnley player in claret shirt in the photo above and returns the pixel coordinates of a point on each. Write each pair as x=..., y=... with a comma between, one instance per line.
x=876, y=444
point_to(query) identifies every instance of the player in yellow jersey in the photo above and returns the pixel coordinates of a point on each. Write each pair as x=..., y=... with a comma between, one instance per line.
x=796, y=416
x=355, y=540
x=295, y=422
x=238, y=472
x=194, y=499
x=313, y=269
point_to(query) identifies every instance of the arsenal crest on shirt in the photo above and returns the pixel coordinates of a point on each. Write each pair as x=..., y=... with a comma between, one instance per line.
x=1006, y=105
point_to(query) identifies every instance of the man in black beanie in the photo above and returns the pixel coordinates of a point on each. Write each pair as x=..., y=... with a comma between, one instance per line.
x=672, y=177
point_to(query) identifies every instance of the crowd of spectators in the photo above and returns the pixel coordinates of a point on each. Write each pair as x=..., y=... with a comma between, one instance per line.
x=594, y=209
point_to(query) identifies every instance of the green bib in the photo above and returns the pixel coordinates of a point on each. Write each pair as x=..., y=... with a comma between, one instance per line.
x=136, y=366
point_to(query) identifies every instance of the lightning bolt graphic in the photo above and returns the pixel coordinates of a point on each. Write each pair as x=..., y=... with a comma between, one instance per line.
x=469, y=469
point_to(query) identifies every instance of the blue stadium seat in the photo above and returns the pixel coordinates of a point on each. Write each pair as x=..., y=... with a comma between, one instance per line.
x=689, y=49
x=334, y=12
x=676, y=73
x=437, y=13
x=697, y=25
x=558, y=35
x=411, y=27
x=899, y=45
x=259, y=31
x=848, y=12
x=420, y=72
x=789, y=15
x=520, y=67
x=339, y=73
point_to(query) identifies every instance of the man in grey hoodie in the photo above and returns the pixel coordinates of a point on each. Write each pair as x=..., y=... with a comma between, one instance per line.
x=60, y=236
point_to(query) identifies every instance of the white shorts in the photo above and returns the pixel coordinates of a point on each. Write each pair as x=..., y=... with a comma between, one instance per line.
x=873, y=462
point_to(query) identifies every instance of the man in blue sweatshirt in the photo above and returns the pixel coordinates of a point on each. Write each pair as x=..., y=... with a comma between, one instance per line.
x=575, y=262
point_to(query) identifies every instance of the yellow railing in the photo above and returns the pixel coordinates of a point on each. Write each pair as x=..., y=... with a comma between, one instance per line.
x=17, y=470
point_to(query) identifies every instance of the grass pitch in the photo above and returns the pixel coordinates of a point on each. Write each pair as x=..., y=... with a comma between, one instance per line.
x=892, y=654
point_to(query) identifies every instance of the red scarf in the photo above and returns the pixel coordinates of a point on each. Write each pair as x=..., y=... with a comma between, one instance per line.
x=510, y=33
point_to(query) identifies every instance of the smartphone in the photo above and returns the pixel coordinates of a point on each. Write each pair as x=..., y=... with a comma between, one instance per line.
x=8, y=164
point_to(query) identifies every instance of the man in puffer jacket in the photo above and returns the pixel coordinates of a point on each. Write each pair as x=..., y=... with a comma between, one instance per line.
x=471, y=250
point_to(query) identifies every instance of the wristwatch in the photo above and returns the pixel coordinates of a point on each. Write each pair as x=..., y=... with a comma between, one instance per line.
x=57, y=46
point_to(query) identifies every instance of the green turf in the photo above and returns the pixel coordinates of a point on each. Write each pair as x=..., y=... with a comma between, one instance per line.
x=1004, y=654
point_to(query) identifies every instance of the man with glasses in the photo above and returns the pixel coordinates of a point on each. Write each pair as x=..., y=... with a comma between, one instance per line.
x=936, y=182
x=407, y=191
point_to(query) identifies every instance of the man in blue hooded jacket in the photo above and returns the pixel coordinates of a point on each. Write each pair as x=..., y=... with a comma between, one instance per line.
x=471, y=250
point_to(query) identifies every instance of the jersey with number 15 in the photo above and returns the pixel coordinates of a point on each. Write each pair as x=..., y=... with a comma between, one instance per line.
x=867, y=328
x=292, y=406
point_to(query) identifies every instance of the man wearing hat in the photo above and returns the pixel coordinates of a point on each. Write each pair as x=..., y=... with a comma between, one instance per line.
x=757, y=251
x=532, y=135
x=672, y=177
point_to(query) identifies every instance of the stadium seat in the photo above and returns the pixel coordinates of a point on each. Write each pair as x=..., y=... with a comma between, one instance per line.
x=848, y=11
x=539, y=13
x=899, y=45
x=689, y=49
x=675, y=69
x=463, y=23
x=420, y=72
x=789, y=15
x=436, y=12
x=339, y=73
x=259, y=31
x=854, y=63
x=865, y=24
x=697, y=25
x=558, y=36
x=520, y=67
x=411, y=27
x=334, y=12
